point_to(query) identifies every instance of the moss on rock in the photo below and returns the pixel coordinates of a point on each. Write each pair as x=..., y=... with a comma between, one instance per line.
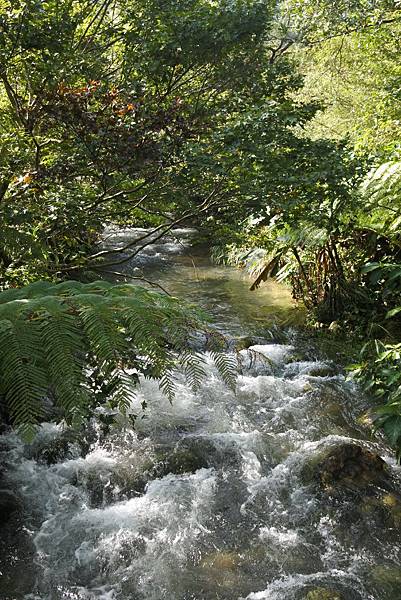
x=347, y=466
x=321, y=593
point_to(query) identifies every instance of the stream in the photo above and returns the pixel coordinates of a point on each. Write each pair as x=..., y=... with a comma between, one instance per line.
x=212, y=497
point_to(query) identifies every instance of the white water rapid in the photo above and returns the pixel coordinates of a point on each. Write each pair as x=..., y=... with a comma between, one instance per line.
x=207, y=498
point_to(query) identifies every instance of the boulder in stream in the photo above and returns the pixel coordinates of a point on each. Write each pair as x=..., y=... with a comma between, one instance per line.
x=182, y=460
x=348, y=466
x=53, y=445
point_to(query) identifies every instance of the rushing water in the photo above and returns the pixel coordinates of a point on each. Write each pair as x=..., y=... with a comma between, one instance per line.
x=207, y=498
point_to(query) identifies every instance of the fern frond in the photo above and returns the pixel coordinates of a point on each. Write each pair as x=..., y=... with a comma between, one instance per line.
x=193, y=369
x=383, y=182
x=65, y=358
x=167, y=385
x=227, y=366
x=23, y=378
x=52, y=336
x=381, y=191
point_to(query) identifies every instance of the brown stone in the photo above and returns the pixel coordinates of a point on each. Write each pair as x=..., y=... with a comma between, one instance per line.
x=351, y=464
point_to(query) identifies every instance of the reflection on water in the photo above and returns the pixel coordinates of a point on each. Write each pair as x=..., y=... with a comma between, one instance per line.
x=187, y=272
x=224, y=293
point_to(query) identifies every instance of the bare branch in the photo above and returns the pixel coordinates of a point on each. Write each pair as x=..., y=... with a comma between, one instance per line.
x=186, y=215
x=140, y=278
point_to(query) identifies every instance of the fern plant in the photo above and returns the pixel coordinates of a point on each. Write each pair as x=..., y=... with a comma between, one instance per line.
x=55, y=338
x=381, y=191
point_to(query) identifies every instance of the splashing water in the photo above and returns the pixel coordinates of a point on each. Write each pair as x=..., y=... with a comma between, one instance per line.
x=207, y=498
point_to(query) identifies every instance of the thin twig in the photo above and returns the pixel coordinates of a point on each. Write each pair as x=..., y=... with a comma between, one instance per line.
x=126, y=276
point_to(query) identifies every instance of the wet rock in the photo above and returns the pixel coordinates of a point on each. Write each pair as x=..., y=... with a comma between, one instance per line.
x=18, y=560
x=323, y=594
x=53, y=447
x=387, y=579
x=392, y=503
x=105, y=487
x=189, y=455
x=350, y=462
x=187, y=458
x=385, y=574
x=9, y=504
x=348, y=466
x=366, y=420
x=221, y=571
x=129, y=479
x=245, y=342
x=56, y=451
x=378, y=509
x=321, y=371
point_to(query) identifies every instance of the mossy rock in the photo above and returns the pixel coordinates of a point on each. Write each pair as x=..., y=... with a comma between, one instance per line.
x=295, y=357
x=347, y=466
x=55, y=451
x=58, y=448
x=387, y=577
x=128, y=481
x=193, y=453
x=366, y=420
x=243, y=343
x=104, y=488
x=184, y=461
x=392, y=502
x=185, y=458
x=221, y=570
x=323, y=594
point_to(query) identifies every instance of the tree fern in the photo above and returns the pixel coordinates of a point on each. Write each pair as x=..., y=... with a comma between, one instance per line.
x=64, y=355
x=55, y=337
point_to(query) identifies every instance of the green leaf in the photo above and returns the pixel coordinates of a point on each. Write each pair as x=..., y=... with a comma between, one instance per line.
x=393, y=312
x=392, y=429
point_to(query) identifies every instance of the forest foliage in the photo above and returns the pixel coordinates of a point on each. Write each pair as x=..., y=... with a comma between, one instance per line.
x=268, y=124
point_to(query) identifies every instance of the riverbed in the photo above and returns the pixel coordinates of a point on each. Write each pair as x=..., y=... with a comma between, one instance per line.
x=207, y=497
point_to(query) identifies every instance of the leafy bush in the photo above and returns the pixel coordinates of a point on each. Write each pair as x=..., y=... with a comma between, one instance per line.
x=380, y=373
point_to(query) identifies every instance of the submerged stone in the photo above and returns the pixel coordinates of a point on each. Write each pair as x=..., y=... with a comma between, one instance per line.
x=52, y=446
x=221, y=570
x=323, y=594
x=183, y=460
x=9, y=504
x=321, y=371
x=222, y=561
x=387, y=577
x=57, y=450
